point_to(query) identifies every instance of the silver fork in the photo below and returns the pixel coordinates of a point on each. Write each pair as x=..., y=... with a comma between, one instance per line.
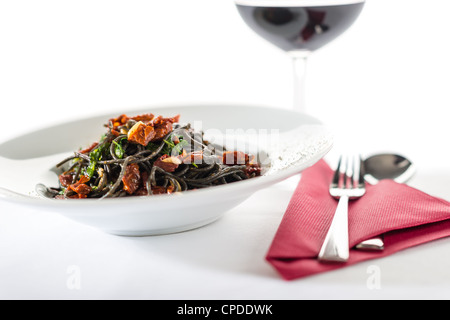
x=347, y=184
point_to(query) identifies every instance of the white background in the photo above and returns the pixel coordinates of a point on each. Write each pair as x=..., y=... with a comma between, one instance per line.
x=384, y=85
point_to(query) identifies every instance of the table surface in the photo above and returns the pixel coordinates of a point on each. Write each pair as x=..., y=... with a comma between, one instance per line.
x=381, y=87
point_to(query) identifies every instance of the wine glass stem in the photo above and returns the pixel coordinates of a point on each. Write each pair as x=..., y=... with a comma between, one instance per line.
x=299, y=63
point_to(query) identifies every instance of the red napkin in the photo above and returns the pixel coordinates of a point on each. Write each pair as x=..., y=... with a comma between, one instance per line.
x=405, y=216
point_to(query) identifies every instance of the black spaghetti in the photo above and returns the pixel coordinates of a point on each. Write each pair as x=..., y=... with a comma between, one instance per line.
x=146, y=155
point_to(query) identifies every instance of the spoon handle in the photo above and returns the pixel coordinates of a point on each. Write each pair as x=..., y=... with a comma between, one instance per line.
x=374, y=244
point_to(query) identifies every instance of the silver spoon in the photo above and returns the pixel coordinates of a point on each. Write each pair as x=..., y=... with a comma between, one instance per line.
x=388, y=166
x=385, y=166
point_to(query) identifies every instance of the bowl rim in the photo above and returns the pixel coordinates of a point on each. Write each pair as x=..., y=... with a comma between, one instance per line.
x=247, y=187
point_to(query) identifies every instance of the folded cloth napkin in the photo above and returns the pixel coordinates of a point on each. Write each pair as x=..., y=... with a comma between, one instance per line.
x=405, y=216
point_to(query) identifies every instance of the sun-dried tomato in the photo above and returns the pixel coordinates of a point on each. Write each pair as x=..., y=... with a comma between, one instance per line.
x=175, y=139
x=80, y=187
x=141, y=134
x=253, y=170
x=168, y=164
x=147, y=129
x=78, y=196
x=232, y=158
x=160, y=120
x=144, y=117
x=170, y=189
x=195, y=157
x=162, y=130
x=89, y=149
x=132, y=178
x=119, y=121
x=163, y=126
x=84, y=179
x=162, y=190
x=66, y=180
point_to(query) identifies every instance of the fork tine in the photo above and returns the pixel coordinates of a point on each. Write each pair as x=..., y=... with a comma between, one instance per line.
x=358, y=172
x=347, y=184
x=355, y=172
x=361, y=181
x=337, y=174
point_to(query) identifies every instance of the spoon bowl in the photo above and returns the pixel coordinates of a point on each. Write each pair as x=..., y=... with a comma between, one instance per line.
x=388, y=166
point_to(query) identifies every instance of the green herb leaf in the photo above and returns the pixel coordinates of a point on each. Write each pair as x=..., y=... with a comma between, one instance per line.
x=167, y=148
x=180, y=146
x=173, y=149
x=95, y=156
x=91, y=169
x=118, y=150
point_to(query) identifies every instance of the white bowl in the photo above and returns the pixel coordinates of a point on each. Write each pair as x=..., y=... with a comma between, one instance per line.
x=302, y=141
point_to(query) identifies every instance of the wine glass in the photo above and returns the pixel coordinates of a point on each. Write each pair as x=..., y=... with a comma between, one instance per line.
x=299, y=27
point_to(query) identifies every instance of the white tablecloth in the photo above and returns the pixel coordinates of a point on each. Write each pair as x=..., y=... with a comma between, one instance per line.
x=383, y=86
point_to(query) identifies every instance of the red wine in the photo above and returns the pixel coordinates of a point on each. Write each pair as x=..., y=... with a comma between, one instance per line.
x=294, y=25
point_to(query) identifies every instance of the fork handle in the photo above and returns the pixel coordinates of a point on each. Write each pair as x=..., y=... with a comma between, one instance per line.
x=336, y=246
